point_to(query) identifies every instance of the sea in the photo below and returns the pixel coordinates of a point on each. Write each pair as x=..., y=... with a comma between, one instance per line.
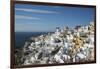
x=22, y=37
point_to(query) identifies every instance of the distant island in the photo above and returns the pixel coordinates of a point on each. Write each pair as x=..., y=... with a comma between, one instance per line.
x=62, y=46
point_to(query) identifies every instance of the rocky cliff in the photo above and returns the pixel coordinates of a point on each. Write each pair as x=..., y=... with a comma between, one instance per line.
x=62, y=46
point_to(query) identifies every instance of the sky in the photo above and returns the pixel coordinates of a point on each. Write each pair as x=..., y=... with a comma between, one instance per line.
x=42, y=18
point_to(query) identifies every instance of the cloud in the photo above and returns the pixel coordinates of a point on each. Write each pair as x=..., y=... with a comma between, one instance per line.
x=26, y=17
x=37, y=11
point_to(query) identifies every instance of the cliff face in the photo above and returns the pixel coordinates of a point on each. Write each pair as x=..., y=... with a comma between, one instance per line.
x=63, y=46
